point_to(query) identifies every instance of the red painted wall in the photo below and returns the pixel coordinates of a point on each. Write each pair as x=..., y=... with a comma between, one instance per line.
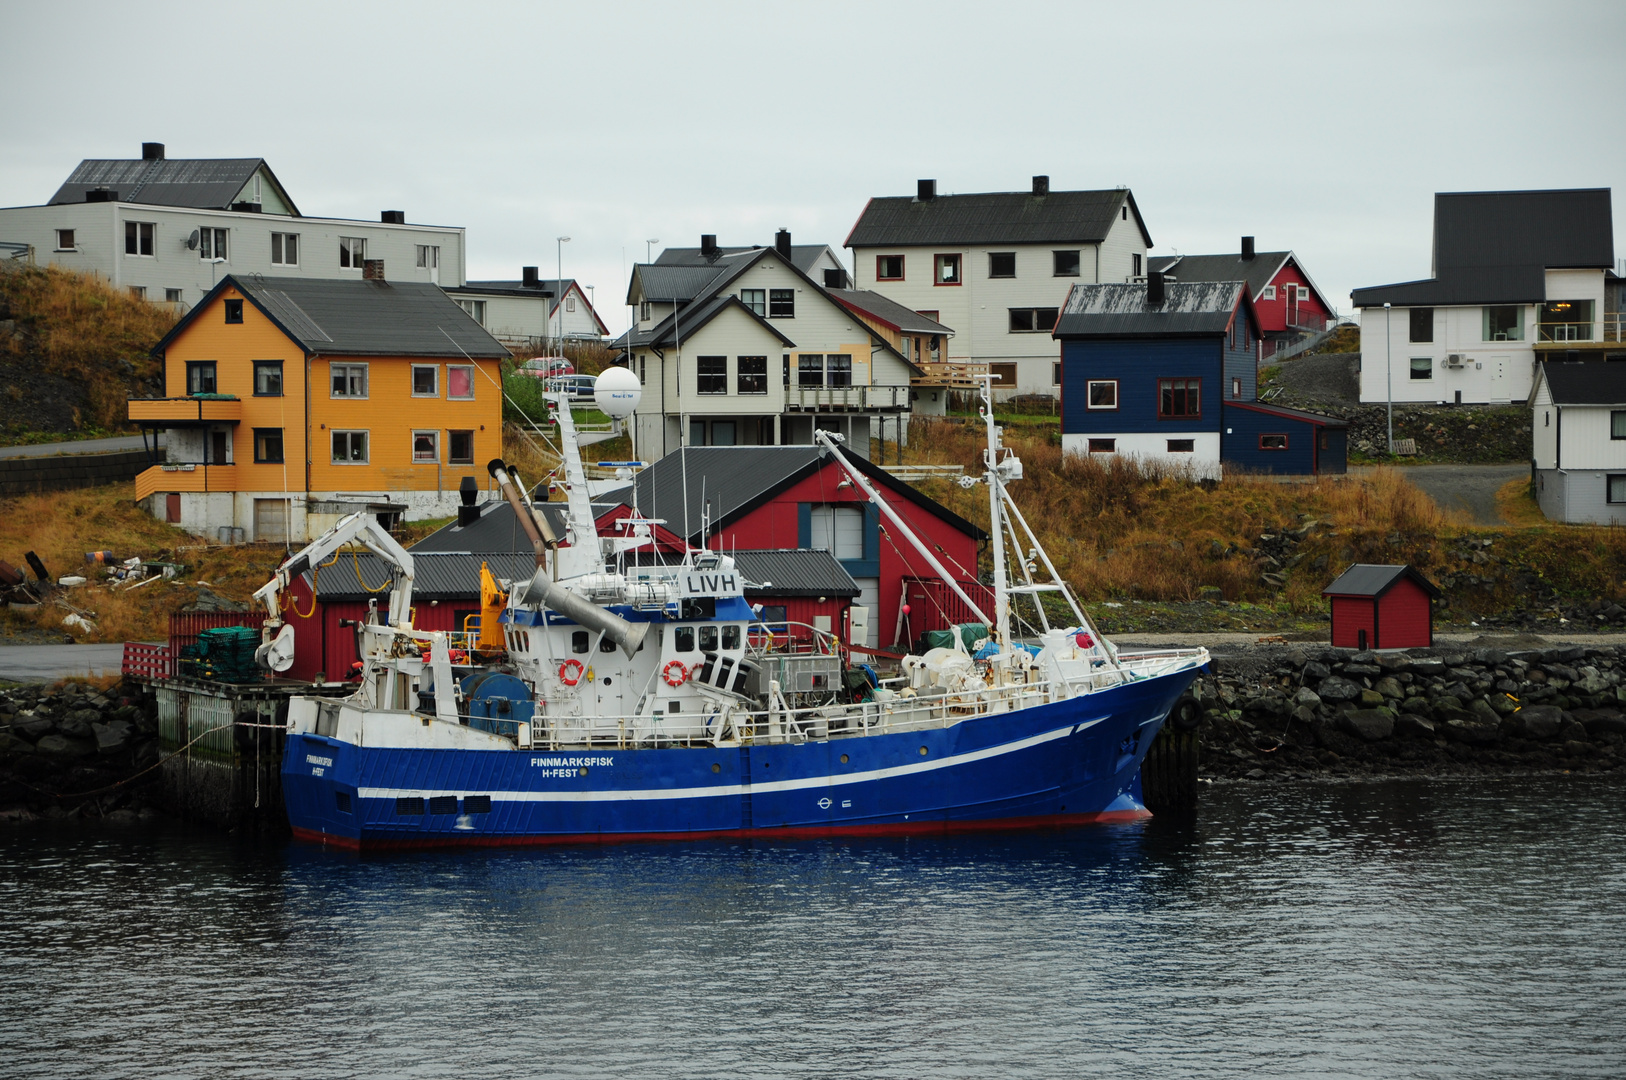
x=1273, y=313
x=322, y=645
x=1405, y=618
x=1350, y=615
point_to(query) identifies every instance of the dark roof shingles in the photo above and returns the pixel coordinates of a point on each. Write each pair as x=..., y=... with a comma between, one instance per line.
x=1005, y=217
x=1118, y=310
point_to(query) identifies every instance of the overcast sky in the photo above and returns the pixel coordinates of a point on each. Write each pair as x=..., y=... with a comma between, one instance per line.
x=1317, y=127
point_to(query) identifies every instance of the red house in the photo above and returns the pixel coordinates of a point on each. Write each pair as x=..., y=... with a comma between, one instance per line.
x=1287, y=302
x=1382, y=607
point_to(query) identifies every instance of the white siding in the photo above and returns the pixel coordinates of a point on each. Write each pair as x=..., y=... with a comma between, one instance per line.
x=1491, y=371
x=1204, y=460
x=1584, y=434
x=1544, y=427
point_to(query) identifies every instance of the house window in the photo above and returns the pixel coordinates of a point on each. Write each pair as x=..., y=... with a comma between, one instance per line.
x=781, y=303
x=1566, y=320
x=1422, y=325
x=1504, y=323
x=475, y=308
x=1617, y=487
x=1002, y=264
x=1179, y=399
x=643, y=368
x=172, y=296
x=570, y=302
x=711, y=375
x=1617, y=424
x=889, y=268
x=426, y=380
x=643, y=311
x=1236, y=387
x=352, y=251
x=268, y=446
x=932, y=315
x=138, y=291
x=234, y=311
x=428, y=257
x=64, y=240
x=1268, y=293
x=200, y=376
x=697, y=433
x=1033, y=320
x=1182, y=446
x=753, y=375
x=1422, y=367
x=947, y=269
x=1273, y=442
x=349, y=448
x=460, y=448
x=1101, y=394
x=138, y=238
x=460, y=382
x=1103, y=446
x=1004, y=375
x=1055, y=374
x=810, y=369
x=284, y=249
x=756, y=300
x=349, y=380
x=1135, y=259
x=268, y=378
x=840, y=368
x=425, y=447
x=1066, y=263
x=212, y=244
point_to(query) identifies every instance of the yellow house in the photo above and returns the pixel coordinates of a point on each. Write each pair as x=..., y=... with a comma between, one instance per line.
x=292, y=401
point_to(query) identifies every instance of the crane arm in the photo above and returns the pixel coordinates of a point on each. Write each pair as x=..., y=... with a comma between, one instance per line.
x=362, y=528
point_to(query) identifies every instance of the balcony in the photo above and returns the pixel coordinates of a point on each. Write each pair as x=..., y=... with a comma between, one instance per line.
x=186, y=478
x=1581, y=334
x=847, y=399
x=962, y=376
x=186, y=411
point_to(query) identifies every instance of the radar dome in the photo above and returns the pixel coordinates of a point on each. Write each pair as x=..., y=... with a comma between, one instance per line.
x=617, y=392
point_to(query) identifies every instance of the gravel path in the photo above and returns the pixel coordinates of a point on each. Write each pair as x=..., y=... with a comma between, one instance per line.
x=1469, y=490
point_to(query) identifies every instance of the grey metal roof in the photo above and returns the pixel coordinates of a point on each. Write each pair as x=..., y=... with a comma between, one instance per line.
x=1004, y=217
x=1289, y=414
x=435, y=575
x=498, y=529
x=890, y=311
x=1493, y=247
x=1371, y=579
x=803, y=256
x=543, y=291
x=1591, y=382
x=204, y=183
x=1120, y=310
x=1258, y=271
x=793, y=573
x=359, y=318
x=680, y=283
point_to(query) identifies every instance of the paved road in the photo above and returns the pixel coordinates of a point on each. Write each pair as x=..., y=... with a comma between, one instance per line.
x=47, y=663
x=1469, y=490
x=83, y=446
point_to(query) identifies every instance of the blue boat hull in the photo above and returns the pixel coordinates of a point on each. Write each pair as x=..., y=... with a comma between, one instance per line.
x=1065, y=763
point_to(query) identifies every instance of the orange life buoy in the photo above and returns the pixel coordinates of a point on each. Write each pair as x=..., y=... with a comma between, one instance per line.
x=570, y=672
x=675, y=673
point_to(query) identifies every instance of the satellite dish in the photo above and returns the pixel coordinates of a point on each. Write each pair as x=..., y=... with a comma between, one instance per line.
x=192, y=241
x=278, y=653
x=616, y=392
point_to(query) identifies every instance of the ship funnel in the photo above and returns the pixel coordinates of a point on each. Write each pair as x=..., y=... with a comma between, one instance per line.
x=542, y=591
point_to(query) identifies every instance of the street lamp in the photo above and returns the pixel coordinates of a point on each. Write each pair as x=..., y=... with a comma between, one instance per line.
x=559, y=266
x=1389, y=370
x=649, y=249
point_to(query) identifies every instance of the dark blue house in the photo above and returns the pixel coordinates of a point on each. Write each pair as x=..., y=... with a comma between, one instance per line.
x=1168, y=371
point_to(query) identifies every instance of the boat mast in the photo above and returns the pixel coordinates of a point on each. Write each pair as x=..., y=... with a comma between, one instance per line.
x=583, y=555
x=996, y=516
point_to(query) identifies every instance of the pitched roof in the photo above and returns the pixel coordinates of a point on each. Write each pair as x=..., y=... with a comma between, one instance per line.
x=737, y=479
x=802, y=256
x=1588, y=383
x=357, y=318
x=203, y=183
x=668, y=284
x=1120, y=310
x=889, y=311
x=497, y=530
x=435, y=575
x=1319, y=419
x=550, y=288
x=1493, y=247
x=1258, y=271
x=793, y=572
x=1371, y=579
x=1001, y=217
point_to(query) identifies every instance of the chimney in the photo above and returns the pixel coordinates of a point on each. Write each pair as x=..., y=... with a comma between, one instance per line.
x=1247, y=248
x=925, y=190
x=1041, y=185
x=528, y=278
x=101, y=194
x=392, y=217
x=468, y=513
x=781, y=243
x=835, y=278
x=1154, y=288
x=372, y=270
x=152, y=151
x=708, y=245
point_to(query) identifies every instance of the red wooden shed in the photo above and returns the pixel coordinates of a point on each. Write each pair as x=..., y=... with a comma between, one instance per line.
x=1382, y=607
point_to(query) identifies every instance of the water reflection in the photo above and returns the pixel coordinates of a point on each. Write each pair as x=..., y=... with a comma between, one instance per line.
x=1461, y=928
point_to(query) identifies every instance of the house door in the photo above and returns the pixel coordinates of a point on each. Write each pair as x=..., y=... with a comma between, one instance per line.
x=172, y=507
x=217, y=448
x=270, y=521
x=1292, y=305
x=869, y=598
x=1498, y=379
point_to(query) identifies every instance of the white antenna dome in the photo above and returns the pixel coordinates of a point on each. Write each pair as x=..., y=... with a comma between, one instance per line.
x=617, y=393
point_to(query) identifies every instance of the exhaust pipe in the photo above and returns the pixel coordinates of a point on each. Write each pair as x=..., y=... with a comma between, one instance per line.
x=544, y=592
x=535, y=525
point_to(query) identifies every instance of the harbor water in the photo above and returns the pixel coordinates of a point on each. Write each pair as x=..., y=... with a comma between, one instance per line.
x=1472, y=928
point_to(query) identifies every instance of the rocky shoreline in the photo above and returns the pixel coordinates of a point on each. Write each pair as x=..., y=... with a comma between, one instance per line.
x=71, y=751
x=1316, y=712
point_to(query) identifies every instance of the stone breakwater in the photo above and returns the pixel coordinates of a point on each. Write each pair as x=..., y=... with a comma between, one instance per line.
x=62, y=748
x=1306, y=712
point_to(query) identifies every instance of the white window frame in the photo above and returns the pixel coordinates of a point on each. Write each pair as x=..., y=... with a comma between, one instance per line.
x=151, y=239
x=475, y=308
x=1268, y=293
x=172, y=296
x=72, y=245
x=433, y=435
x=1110, y=445
x=352, y=252
x=435, y=369
x=755, y=301
x=428, y=256
x=366, y=444
x=213, y=245
x=1411, y=369
x=138, y=291
x=349, y=370
x=281, y=244
x=459, y=367
x=570, y=301
x=1090, y=384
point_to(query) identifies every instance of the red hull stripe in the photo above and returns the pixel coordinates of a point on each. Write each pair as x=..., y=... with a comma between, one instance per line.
x=800, y=832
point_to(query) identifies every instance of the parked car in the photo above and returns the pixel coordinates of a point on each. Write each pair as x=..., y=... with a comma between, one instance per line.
x=579, y=387
x=547, y=367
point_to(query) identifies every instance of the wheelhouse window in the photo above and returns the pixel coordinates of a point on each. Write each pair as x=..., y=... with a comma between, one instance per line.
x=349, y=448
x=426, y=380
x=753, y=375
x=1103, y=446
x=1422, y=368
x=212, y=245
x=268, y=446
x=234, y=311
x=1422, y=325
x=425, y=447
x=460, y=382
x=138, y=238
x=268, y=378
x=1182, y=446
x=1002, y=264
x=284, y=249
x=200, y=377
x=1179, y=399
x=810, y=370
x=1566, y=320
x=1033, y=320
x=352, y=251
x=1273, y=442
x=1101, y=394
x=348, y=380
x=460, y=448
x=946, y=269
x=781, y=303
x=1066, y=263
x=711, y=375
x=889, y=268
x=756, y=300
x=1504, y=323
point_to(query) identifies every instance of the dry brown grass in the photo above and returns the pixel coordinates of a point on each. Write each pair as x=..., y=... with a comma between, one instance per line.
x=1518, y=506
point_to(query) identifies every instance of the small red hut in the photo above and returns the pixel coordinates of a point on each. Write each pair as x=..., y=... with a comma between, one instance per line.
x=1382, y=607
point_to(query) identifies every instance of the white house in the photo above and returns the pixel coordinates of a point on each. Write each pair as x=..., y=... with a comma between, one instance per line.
x=1578, y=417
x=996, y=266
x=529, y=312
x=745, y=348
x=169, y=230
x=1518, y=276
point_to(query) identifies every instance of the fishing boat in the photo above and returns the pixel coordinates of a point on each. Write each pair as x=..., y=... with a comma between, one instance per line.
x=629, y=699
